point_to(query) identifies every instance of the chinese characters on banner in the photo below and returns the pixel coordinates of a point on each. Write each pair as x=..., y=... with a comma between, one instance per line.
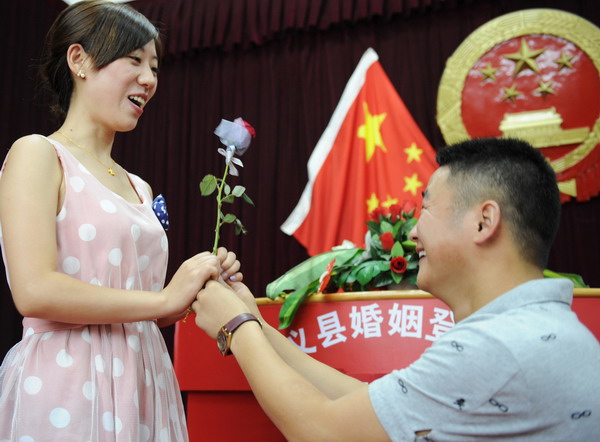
x=372, y=321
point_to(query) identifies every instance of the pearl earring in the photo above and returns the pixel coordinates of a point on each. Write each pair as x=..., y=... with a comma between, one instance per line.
x=81, y=74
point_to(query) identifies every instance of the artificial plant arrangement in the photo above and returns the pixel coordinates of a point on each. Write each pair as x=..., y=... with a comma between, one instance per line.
x=388, y=258
x=236, y=136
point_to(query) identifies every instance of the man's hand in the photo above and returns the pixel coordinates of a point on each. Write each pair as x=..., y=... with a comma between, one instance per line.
x=244, y=293
x=215, y=305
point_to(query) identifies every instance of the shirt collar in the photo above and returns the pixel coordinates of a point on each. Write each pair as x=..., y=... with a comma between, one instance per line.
x=531, y=292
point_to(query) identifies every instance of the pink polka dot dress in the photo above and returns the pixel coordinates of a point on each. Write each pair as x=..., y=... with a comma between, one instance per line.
x=115, y=382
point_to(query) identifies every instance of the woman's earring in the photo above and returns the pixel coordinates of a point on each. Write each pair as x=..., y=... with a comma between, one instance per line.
x=81, y=74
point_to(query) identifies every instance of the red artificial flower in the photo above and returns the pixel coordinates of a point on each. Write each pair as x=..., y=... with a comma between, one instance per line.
x=395, y=211
x=408, y=206
x=249, y=128
x=326, y=276
x=374, y=215
x=398, y=264
x=387, y=240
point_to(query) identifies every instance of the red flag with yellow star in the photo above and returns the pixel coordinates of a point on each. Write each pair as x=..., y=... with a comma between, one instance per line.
x=371, y=154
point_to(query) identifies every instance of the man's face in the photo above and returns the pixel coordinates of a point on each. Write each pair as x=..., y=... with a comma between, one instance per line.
x=439, y=236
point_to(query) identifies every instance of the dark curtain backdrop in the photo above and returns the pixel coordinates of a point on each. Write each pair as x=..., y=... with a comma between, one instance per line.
x=282, y=66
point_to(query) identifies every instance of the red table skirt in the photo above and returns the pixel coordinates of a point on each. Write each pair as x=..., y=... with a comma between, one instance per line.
x=365, y=335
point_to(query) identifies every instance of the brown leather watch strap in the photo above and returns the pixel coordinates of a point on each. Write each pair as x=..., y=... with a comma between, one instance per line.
x=239, y=320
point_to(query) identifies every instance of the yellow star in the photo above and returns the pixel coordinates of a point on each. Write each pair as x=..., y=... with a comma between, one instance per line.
x=510, y=93
x=412, y=184
x=413, y=153
x=545, y=88
x=371, y=132
x=389, y=201
x=564, y=61
x=372, y=203
x=525, y=58
x=489, y=72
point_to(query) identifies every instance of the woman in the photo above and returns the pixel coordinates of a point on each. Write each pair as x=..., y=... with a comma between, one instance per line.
x=85, y=254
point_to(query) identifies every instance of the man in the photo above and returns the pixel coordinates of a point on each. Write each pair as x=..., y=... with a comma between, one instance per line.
x=518, y=365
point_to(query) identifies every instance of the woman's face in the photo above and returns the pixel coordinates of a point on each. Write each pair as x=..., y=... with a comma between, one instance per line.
x=116, y=95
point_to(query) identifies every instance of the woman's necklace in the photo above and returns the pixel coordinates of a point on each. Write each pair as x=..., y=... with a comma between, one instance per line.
x=110, y=169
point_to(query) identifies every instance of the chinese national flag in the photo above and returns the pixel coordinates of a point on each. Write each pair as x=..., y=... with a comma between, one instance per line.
x=372, y=154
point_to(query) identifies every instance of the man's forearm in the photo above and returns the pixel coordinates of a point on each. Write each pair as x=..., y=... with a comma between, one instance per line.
x=331, y=382
x=297, y=407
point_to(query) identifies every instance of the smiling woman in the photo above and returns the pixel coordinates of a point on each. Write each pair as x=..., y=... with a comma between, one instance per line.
x=85, y=253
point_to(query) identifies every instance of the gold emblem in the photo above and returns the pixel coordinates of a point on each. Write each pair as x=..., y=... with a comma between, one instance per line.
x=522, y=63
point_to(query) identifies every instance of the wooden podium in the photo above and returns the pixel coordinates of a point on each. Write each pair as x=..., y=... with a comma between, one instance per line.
x=365, y=335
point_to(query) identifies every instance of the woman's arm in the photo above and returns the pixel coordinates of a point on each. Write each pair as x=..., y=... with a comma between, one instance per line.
x=30, y=190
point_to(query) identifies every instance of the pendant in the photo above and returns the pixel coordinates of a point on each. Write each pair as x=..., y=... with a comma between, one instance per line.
x=111, y=172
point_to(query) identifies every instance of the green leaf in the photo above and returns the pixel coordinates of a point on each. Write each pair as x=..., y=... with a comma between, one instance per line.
x=229, y=218
x=576, y=279
x=208, y=185
x=412, y=265
x=292, y=304
x=308, y=271
x=409, y=245
x=397, y=227
x=386, y=227
x=227, y=189
x=238, y=191
x=228, y=199
x=247, y=199
x=383, y=279
x=368, y=270
x=408, y=226
x=374, y=227
x=239, y=227
x=397, y=250
x=411, y=279
x=376, y=247
x=397, y=277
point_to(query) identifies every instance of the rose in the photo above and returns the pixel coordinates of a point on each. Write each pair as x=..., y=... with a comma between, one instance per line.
x=398, y=264
x=387, y=240
x=395, y=211
x=408, y=206
x=247, y=125
x=236, y=136
x=374, y=215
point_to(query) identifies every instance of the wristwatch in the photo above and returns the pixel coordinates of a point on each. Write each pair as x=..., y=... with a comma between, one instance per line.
x=226, y=332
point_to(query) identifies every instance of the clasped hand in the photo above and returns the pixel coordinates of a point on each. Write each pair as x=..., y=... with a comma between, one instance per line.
x=194, y=273
x=217, y=303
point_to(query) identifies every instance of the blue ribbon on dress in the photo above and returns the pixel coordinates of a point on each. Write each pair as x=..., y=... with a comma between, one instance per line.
x=159, y=205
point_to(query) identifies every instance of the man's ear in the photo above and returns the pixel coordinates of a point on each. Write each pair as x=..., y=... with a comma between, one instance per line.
x=76, y=58
x=488, y=222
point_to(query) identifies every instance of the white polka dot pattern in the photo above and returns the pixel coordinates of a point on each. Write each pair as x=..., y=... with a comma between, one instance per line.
x=115, y=256
x=60, y=418
x=87, y=232
x=32, y=385
x=71, y=265
x=77, y=184
x=64, y=359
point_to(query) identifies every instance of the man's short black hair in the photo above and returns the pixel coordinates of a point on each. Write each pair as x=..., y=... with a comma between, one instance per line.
x=515, y=175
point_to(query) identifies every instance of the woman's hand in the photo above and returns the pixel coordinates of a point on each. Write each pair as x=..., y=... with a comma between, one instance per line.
x=189, y=279
x=230, y=266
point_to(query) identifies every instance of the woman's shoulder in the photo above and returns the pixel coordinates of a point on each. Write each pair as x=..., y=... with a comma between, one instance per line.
x=33, y=142
x=33, y=150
